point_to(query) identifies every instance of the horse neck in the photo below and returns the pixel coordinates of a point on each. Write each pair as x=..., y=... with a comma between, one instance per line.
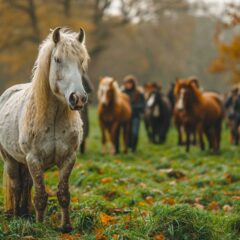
x=111, y=107
x=195, y=100
x=46, y=105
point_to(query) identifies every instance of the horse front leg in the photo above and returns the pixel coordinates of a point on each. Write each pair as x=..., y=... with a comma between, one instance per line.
x=41, y=196
x=188, y=140
x=126, y=128
x=12, y=169
x=113, y=136
x=200, y=135
x=104, y=138
x=63, y=195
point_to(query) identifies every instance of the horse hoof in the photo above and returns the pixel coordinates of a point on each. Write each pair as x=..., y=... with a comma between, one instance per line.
x=65, y=229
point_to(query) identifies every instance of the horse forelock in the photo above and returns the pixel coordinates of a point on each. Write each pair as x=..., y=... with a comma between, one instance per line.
x=109, y=84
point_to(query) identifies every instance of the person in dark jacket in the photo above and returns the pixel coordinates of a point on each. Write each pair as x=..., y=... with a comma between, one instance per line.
x=130, y=87
x=232, y=109
x=88, y=86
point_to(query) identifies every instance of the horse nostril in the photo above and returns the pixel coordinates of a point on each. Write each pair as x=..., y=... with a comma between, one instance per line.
x=73, y=99
x=84, y=99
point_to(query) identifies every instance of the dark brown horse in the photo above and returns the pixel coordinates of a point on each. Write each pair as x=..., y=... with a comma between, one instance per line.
x=114, y=113
x=202, y=112
x=157, y=116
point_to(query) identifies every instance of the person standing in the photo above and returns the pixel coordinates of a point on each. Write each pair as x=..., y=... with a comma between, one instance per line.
x=130, y=87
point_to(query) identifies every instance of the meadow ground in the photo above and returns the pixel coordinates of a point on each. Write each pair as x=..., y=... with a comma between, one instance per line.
x=159, y=193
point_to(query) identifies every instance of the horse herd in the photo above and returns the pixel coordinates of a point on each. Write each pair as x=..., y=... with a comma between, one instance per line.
x=40, y=125
x=195, y=113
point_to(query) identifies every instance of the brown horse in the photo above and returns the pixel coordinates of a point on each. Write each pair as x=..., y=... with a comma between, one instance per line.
x=181, y=118
x=202, y=112
x=114, y=112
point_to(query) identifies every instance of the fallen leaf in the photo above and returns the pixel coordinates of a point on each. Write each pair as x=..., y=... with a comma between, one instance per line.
x=228, y=177
x=142, y=185
x=227, y=208
x=50, y=192
x=141, y=204
x=74, y=200
x=107, y=219
x=169, y=201
x=99, y=234
x=106, y=180
x=236, y=197
x=28, y=238
x=67, y=236
x=115, y=237
x=149, y=200
x=213, y=206
x=159, y=237
x=144, y=214
x=199, y=206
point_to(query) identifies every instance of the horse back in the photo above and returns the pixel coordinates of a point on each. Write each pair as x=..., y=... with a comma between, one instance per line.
x=213, y=106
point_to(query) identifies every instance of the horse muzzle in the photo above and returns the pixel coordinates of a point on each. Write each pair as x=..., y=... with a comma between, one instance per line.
x=77, y=100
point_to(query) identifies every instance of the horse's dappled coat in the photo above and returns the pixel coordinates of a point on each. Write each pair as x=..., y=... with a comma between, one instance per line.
x=38, y=129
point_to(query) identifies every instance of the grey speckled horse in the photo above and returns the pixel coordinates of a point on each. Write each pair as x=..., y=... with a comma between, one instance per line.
x=38, y=127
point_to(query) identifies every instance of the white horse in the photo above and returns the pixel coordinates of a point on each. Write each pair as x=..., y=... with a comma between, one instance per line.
x=38, y=127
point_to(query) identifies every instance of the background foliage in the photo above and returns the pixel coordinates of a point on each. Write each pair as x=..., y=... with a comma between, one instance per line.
x=155, y=40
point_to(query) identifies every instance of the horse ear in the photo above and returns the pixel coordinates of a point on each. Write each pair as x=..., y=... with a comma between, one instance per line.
x=81, y=36
x=177, y=79
x=194, y=81
x=113, y=81
x=56, y=35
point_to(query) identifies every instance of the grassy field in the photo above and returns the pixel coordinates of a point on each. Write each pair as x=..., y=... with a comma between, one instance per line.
x=159, y=193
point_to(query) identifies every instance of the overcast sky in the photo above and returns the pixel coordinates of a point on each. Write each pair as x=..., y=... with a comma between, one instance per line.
x=217, y=5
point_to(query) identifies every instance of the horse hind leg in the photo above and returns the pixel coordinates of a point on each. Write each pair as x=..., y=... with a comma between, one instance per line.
x=12, y=186
x=26, y=179
x=126, y=129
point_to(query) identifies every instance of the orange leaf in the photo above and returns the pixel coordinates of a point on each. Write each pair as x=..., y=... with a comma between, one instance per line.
x=149, y=200
x=106, y=180
x=159, y=237
x=213, y=206
x=169, y=201
x=67, y=236
x=115, y=237
x=74, y=200
x=106, y=219
x=99, y=234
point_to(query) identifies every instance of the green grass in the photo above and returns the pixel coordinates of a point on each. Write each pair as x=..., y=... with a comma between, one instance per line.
x=140, y=198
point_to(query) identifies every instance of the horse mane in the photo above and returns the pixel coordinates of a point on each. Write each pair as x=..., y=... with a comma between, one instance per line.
x=69, y=47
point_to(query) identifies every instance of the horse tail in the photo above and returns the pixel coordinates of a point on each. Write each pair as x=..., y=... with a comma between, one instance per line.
x=7, y=191
x=25, y=204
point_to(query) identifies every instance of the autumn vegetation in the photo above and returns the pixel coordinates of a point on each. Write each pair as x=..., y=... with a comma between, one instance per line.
x=156, y=41
x=160, y=192
x=228, y=58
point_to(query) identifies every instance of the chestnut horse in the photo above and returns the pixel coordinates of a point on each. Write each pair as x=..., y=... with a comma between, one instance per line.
x=181, y=118
x=114, y=113
x=203, y=112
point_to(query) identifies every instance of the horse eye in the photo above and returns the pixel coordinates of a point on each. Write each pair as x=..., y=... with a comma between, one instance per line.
x=57, y=60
